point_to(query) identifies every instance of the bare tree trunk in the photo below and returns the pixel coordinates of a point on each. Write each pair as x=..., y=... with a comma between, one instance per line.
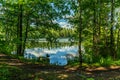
x=112, y=45
x=80, y=33
x=26, y=33
x=99, y=18
x=118, y=43
x=95, y=32
x=96, y=27
x=19, y=31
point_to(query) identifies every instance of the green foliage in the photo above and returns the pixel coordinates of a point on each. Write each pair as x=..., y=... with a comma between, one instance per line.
x=40, y=13
x=43, y=60
x=116, y=62
x=118, y=54
x=43, y=14
x=52, y=35
x=106, y=61
x=74, y=62
x=88, y=55
x=4, y=47
x=10, y=73
x=90, y=79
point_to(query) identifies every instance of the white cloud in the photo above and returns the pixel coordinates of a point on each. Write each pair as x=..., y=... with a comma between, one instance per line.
x=64, y=24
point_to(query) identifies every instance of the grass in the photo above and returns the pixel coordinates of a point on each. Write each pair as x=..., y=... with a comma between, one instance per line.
x=10, y=72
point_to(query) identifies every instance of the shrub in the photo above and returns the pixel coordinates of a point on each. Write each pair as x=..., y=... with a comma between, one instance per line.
x=106, y=61
x=10, y=73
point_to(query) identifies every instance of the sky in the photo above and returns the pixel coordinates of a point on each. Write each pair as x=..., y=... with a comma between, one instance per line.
x=63, y=23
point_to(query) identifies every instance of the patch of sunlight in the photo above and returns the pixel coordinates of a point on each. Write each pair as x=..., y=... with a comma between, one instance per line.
x=114, y=67
x=89, y=73
x=118, y=77
x=63, y=76
x=46, y=72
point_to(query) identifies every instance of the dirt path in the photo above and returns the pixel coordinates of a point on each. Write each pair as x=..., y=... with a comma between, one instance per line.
x=43, y=72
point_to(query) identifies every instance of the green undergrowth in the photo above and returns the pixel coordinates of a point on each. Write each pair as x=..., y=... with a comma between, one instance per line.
x=12, y=73
x=102, y=62
x=8, y=72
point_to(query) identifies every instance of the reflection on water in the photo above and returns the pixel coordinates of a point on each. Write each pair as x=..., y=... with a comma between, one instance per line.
x=42, y=43
x=58, y=54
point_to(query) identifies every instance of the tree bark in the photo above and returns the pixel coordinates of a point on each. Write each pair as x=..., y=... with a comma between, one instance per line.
x=118, y=42
x=80, y=33
x=95, y=32
x=19, y=31
x=26, y=33
x=112, y=45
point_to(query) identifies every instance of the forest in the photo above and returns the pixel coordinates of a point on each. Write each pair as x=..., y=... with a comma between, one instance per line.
x=59, y=40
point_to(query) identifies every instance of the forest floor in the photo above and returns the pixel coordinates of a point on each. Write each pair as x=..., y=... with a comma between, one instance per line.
x=30, y=71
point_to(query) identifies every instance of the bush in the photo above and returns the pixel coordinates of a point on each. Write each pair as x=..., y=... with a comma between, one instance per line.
x=10, y=73
x=5, y=47
x=106, y=61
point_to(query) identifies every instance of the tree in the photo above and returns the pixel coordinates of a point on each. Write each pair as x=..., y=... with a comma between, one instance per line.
x=112, y=42
x=39, y=13
x=20, y=30
x=80, y=32
x=52, y=36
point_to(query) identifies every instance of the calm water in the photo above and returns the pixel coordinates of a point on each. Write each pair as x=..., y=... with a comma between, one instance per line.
x=58, y=53
x=58, y=56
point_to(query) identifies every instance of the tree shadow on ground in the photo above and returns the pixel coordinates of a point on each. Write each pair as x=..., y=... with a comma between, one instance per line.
x=17, y=70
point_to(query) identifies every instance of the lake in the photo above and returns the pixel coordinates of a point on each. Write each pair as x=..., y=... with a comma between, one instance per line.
x=58, y=54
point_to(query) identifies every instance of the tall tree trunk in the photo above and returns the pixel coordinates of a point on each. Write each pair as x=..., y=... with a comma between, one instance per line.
x=19, y=31
x=112, y=45
x=80, y=33
x=96, y=27
x=99, y=18
x=95, y=47
x=26, y=33
x=118, y=43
